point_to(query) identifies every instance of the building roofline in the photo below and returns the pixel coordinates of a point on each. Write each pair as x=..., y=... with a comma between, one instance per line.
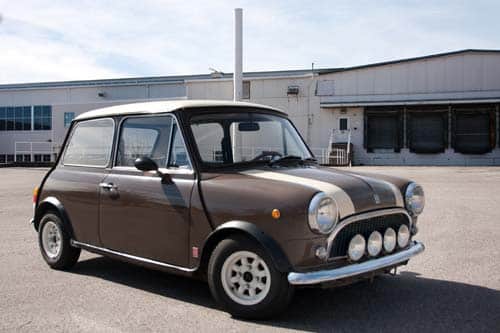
x=392, y=62
x=171, y=79
x=181, y=79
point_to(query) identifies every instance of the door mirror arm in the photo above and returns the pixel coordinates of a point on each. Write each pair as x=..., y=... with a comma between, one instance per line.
x=147, y=164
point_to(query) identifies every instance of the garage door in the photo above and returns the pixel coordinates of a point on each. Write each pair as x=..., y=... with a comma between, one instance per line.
x=427, y=131
x=383, y=130
x=473, y=130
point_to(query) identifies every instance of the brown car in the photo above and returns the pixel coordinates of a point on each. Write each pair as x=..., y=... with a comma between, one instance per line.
x=224, y=191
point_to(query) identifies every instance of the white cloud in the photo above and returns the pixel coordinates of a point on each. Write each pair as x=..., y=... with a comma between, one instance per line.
x=61, y=40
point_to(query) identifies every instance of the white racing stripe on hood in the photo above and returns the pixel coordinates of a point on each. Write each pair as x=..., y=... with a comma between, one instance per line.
x=344, y=202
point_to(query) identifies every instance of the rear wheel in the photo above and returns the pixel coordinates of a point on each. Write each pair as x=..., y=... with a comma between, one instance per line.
x=245, y=281
x=54, y=241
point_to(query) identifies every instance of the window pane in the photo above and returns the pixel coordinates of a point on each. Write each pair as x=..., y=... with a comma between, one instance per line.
x=209, y=140
x=68, y=118
x=10, y=112
x=46, y=111
x=46, y=123
x=27, y=112
x=18, y=124
x=2, y=159
x=38, y=157
x=10, y=158
x=144, y=137
x=18, y=112
x=90, y=143
x=178, y=153
x=46, y=157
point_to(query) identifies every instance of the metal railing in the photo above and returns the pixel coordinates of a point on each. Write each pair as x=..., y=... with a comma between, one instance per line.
x=32, y=148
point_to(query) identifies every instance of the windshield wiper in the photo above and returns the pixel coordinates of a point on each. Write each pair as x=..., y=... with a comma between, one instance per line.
x=292, y=158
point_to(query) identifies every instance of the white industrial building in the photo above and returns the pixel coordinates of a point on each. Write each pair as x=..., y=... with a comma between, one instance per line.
x=435, y=110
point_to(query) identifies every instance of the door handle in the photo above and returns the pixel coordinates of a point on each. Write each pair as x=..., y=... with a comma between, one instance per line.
x=107, y=186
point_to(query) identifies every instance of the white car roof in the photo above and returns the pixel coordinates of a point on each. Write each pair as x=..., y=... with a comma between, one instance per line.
x=164, y=106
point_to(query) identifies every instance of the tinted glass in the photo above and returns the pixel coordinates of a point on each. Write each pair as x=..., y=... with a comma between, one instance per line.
x=90, y=143
x=144, y=137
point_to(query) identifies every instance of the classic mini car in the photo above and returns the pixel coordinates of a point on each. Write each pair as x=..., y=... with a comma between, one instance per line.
x=224, y=191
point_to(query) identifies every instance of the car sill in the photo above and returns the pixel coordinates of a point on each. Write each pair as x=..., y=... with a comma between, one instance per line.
x=130, y=257
x=355, y=269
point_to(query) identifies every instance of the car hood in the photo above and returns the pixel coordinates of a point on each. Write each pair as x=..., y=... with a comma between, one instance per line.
x=353, y=192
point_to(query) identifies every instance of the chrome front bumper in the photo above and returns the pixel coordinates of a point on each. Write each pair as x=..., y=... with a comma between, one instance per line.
x=356, y=269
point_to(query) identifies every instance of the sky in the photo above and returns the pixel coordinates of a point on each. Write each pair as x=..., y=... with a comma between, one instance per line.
x=52, y=40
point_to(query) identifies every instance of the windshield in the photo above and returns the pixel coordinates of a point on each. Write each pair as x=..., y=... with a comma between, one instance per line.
x=230, y=138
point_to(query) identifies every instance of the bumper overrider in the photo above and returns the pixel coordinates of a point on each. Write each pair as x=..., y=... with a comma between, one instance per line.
x=354, y=270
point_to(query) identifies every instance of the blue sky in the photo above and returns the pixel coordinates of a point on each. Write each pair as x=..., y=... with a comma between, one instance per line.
x=70, y=40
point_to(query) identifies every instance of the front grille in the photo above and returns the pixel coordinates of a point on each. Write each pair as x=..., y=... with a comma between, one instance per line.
x=365, y=228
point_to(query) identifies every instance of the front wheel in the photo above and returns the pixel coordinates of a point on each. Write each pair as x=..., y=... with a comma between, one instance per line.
x=244, y=280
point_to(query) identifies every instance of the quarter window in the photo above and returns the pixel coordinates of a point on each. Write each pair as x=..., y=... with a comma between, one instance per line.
x=90, y=143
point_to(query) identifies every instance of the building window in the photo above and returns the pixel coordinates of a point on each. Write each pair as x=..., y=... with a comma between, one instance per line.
x=46, y=157
x=2, y=159
x=343, y=124
x=26, y=158
x=245, y=94
x=19, y=158
x=383, y=129
x=16, y=118
x=37, y=157
x=10, y=158
x=68, y=118
x=42, y=117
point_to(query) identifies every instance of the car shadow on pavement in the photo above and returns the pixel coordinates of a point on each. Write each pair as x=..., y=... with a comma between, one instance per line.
x=407, y=302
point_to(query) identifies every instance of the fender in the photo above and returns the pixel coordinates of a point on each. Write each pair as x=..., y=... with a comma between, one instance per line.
x=55, y=204
x=273, y=249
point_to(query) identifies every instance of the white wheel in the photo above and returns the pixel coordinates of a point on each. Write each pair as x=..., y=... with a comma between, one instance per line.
x=245, y=277
x=51, y=239
x=55, y=242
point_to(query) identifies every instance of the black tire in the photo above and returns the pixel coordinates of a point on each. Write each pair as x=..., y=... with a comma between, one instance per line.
x=280, y=292
x=67, y=255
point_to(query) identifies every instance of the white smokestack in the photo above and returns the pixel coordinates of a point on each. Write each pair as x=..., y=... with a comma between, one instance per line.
x=238, y=54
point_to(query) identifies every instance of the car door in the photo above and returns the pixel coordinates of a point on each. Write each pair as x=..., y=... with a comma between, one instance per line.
x=75, y=182
x=142, y=213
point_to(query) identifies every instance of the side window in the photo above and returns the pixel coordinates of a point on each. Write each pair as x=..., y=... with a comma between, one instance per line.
x=90, y=143
x=178, y=153
x=144, y=136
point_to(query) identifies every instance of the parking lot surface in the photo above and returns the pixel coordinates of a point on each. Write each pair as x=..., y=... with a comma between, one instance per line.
x=453, y=285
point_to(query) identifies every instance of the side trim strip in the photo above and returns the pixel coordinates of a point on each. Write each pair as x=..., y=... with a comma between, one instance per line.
x=132, y=257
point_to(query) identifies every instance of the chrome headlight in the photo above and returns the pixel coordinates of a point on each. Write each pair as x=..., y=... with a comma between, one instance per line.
x=414, y=199
x=323, y=213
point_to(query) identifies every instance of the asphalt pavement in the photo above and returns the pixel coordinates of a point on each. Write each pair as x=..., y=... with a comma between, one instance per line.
x=453, y=286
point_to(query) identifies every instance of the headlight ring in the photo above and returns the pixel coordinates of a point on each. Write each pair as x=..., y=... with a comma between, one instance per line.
x=323, y=213
x=414, y=199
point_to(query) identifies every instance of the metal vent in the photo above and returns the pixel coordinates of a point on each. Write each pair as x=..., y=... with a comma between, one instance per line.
x=292, y=90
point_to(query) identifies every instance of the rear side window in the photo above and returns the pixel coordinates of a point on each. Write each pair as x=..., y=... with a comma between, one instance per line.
x=144, y=136
x=90, y=143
